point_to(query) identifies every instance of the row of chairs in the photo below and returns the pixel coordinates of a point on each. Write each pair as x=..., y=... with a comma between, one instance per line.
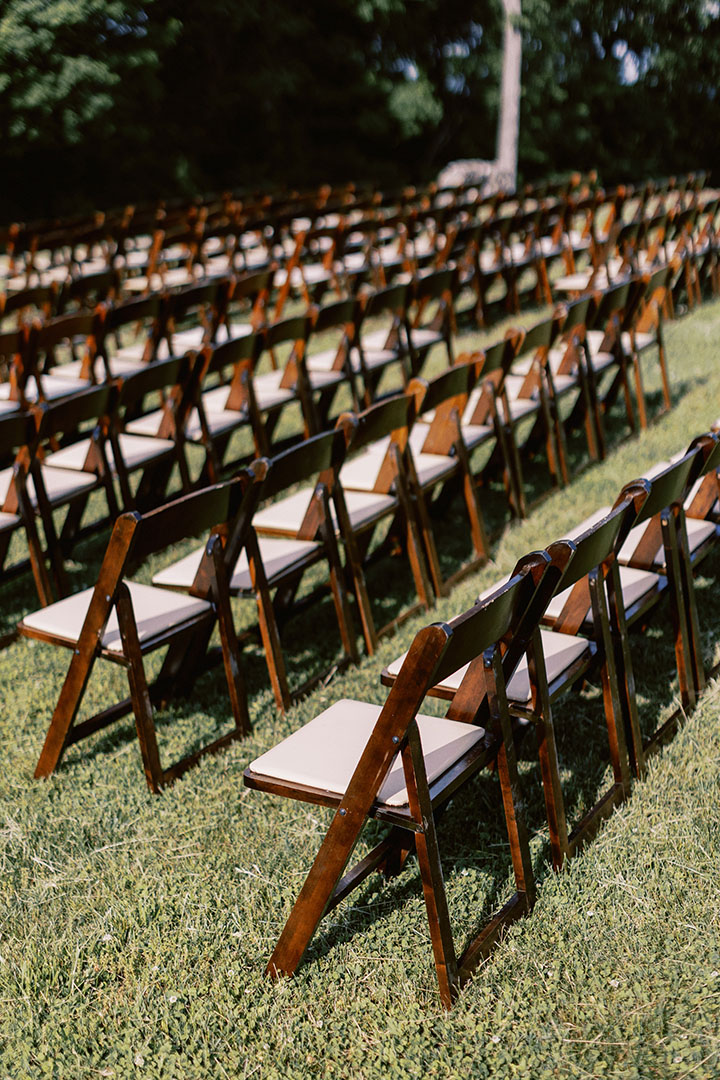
x=274, y=531
x=504, y=240
x=500, y=404
x=503, y=666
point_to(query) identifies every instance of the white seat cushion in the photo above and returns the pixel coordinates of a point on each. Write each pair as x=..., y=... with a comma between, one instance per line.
x=156, y=611
x=135, y=449
x=52, y=387
x=698, y=531
x=217, y=423
x=286, y=515
x=278, y=555
x=146, y=425
x=560, y=652
x=635, y=584
x=8, y=521
x=60, y=484
x=324, y=753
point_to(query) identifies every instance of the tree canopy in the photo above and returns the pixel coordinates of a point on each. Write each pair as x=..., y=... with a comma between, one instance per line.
x=105, y=101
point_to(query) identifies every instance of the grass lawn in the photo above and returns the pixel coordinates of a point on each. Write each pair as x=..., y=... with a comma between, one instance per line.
x=134, y=929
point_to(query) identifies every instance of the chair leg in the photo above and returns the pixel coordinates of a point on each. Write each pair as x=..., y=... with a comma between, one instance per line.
x=268, y=627
x=428, y=856
x=229, y=642
x=639, y=391
x=139, y=691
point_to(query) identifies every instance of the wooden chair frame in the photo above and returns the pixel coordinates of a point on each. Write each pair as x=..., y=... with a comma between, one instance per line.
x=134, y=538
x=491, y=638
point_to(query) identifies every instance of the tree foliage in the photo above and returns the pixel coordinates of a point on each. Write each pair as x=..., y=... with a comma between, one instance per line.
x=103, y=101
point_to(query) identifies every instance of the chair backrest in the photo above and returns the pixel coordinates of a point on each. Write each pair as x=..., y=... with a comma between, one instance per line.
x=302, y=462
x=66, y=416
x=294, y=329
x=157, y=376
x=16, y=430
x=670, y=486
x=393, y=416
x=191, y=515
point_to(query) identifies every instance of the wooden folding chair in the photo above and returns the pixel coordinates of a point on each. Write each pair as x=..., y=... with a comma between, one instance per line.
x=276, y=555
x=134, y=334
x=381, y=340
x=400, y=767
x=660, y=543
x=154, y=455
x=330, y=349
x=432, y=318
x=18, y=438
x=438, y=456
x=122, y=621
x=372, y=486
x=605, y=354
x=642, y=329
x=41, y=379
x=61, y=476
x=583, y=630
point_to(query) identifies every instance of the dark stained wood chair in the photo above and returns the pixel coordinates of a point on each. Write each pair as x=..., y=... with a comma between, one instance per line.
x=274, y=559
x=438, y=458
x=123, y=621
x=18, y=438
x=583, y=630
x=400, y=767
x=381, y=341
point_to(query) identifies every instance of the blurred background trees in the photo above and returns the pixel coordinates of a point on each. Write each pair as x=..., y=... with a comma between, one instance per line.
x=108, y=101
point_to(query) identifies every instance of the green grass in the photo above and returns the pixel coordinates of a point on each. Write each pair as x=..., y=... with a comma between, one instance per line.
x=134, y=929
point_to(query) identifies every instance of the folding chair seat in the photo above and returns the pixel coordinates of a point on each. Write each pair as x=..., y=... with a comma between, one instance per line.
x=155, y=454
x=438, y=457
x=396, y=765
x=18, y=437
x=271, y=563
x=123, y=621
x=381, y=340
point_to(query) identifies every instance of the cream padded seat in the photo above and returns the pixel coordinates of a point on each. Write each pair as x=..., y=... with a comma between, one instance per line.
x=156, y=610
x=135, y=449
x=52, y=387
x=60, y=484
x=635, y=585
x=278, y=555
x=217, y=422
x=287, y=514
x=560, y=652
x=698, y=531
x=325, y=752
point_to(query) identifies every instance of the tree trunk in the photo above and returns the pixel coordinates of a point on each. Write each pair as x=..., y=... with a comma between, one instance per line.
x=509, y=116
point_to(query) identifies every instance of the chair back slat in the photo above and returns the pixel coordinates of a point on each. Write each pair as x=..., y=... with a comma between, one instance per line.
x=669, y=486
x=190, y=515
x=304, y=461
